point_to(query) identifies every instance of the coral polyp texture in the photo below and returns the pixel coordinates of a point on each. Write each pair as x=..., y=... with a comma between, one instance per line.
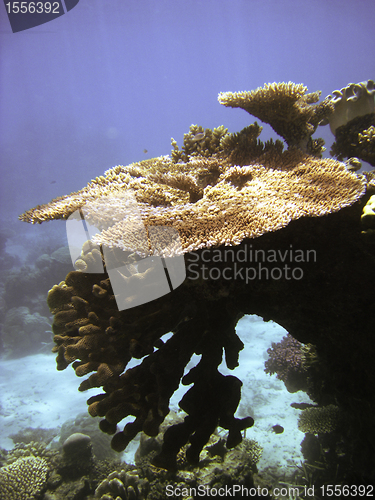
x=228, y=197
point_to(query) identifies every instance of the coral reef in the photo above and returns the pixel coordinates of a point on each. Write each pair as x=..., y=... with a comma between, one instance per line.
x=24, y=479
x=283, y=205
x=218, y=467
x=28, y=285
x=74, y=473
x=34, y=435
x=291, y=112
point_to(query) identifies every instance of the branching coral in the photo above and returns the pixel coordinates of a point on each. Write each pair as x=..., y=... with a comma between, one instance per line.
x=353, y=120
x=286, y=360
x=291, y=112
x=24, y=332
x=317, y=420
x=243, y=147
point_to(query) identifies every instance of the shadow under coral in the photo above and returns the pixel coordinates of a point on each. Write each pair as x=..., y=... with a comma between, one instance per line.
x=328, y=304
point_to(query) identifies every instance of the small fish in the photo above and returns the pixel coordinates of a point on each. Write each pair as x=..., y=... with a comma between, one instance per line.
x=277, y=429
x=301, y=406
x=145, y=151
x=199, y=136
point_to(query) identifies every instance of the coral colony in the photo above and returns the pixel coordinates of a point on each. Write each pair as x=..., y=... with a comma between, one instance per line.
x=230, y=191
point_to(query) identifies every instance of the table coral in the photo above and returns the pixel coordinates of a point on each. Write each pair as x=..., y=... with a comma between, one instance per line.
x=291, y=112
x=24, y=479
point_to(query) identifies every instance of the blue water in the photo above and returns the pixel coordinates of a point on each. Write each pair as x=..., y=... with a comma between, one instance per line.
x=110, y=82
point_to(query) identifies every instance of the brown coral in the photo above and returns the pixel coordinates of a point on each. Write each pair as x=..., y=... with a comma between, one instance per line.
x=144, y=391
x=291, y=112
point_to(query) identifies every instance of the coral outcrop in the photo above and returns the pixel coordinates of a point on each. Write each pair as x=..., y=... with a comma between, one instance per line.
x=352, y=121
x=24, y=479
x=278, y=237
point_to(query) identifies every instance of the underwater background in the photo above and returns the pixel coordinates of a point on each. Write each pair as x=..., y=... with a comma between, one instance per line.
x=110, y=83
